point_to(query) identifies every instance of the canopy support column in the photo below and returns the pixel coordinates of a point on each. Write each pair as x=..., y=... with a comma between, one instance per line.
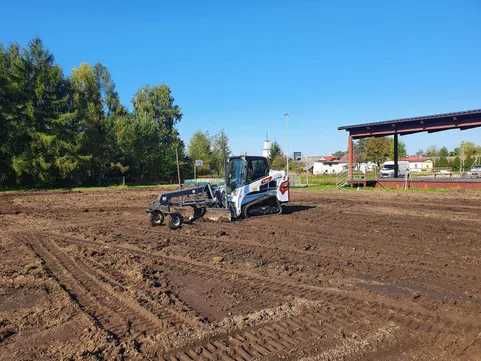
x=396, y=156
x=350, y=158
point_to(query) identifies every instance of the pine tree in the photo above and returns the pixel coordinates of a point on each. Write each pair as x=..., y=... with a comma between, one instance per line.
x=62, y=131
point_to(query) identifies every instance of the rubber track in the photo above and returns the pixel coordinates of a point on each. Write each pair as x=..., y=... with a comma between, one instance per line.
x=116, y=313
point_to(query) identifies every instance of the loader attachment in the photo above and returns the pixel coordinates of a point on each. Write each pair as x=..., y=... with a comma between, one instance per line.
x=218, y=215
x=188, y=204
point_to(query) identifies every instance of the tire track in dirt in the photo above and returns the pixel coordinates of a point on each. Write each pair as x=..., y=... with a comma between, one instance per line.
x=426, y=329
x=352, y=347
x=416, y=320
x=411, y=200
x=193, y=319
x=431, y=269
x=427, y=267
x=117, y=313
x=398, y=246
x=353, y=241
x=359, y=260
x=264, y=342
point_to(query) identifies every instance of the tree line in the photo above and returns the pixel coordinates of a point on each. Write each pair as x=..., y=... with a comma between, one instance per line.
x=380, y=149
x=213, y=151
x=58, y=130
x=377, y=150
x=462, y=157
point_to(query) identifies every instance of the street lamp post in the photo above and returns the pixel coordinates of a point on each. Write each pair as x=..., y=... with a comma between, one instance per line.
x=286, y=116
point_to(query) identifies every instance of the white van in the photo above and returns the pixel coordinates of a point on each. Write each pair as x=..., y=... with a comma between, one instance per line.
x=475, y=171
x=387, y=170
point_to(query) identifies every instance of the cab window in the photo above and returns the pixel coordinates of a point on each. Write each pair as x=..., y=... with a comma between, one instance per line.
x=256, y=169
x=237, y=169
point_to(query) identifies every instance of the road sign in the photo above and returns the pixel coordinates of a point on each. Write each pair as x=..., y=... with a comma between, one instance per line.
x=199, y=162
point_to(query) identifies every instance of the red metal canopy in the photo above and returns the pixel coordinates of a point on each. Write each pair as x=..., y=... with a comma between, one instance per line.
x=430, y=123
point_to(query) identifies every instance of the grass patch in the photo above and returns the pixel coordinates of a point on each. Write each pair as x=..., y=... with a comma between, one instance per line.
x=91, y=188
x=317, y=188
x=126, y=187
x=316, y=180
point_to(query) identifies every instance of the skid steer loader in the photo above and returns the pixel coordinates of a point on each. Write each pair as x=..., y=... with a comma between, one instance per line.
x=249, y=188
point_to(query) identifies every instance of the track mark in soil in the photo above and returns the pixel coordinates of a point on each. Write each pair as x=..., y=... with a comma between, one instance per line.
x=6, y=332
x=188, y=315
x=254, y=344
x=425, y=267
x=116, y=313
x=414, y=320
x=351, y=347
x=318, y=328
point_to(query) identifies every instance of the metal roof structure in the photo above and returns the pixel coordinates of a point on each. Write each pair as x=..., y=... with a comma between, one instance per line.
x=429, y=123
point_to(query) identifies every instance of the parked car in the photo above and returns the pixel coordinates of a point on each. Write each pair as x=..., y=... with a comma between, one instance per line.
x=475, y=171
x=387, y=170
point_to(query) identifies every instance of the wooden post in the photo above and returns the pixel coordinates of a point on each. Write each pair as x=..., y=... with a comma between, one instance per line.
x=178, y=168
x=350, y=158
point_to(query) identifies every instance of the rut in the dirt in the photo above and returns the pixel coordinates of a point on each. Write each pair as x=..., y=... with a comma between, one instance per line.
x=117, y=313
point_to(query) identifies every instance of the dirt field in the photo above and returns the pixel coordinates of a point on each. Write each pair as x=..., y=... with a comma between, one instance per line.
x=342, y=276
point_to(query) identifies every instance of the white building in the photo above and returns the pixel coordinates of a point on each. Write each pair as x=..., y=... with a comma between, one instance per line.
x=329, y=165
x=266, y=150
x=308, y=161
x=419, y=163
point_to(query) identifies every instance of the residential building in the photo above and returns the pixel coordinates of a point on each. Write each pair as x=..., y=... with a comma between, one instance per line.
x=419, y=163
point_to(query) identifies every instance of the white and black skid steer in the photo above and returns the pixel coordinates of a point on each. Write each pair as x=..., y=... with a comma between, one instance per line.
x=250, y=188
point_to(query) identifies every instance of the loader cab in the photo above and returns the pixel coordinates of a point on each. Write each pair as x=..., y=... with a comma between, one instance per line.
x=245, y=170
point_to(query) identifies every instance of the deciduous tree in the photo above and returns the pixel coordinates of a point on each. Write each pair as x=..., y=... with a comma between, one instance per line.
x=220, y=152
x=200, y=149
x=378, y=150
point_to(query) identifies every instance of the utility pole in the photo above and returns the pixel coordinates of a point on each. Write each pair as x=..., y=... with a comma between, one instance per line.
x=286, y=116
x=461, y=168
x=178, y=168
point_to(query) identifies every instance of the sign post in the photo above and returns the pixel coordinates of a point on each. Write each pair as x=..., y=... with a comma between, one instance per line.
x=286, y=116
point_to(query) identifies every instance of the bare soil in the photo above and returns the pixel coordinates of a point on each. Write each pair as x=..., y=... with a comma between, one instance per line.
x=340, y=276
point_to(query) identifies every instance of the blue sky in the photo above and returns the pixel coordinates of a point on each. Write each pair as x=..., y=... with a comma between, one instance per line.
x=241, y=65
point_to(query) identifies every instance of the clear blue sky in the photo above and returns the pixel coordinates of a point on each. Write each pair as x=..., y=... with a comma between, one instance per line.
x=241, y=65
